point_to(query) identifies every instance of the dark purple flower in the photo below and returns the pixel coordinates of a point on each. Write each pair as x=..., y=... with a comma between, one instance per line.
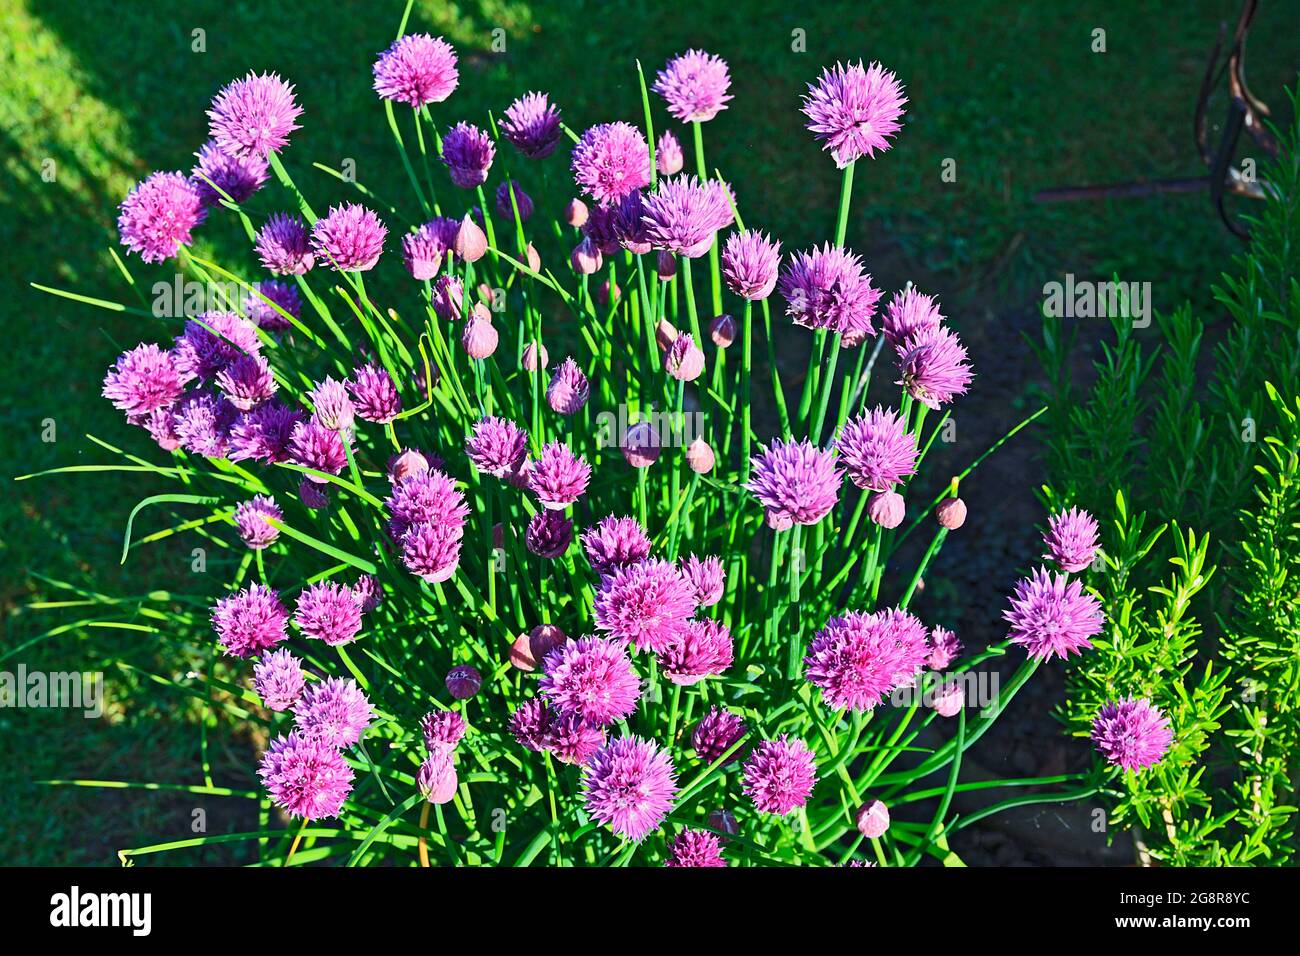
x=260, y=305
x=237, y=176
x=549, y=534
x=283, y=245
x=468, y=153
x=716, y=733
x=532, y=124
x=247, y=382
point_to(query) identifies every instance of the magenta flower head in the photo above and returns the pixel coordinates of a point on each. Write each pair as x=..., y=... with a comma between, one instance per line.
x=1051, y=615
x=647, y=603
x=432, y=551
x=683, y=215
x=701, y=649
x=530, y=722
x=349, y=239
x=780, y=775
x=549, y=534
x=463, y=681
x=250, y=621
x=614, y=543
x=161, y=426
x=694, y=85
x=423, y=251
x=934, y=366
x=795, y=482
x=568, y=389
x=305, y=777
x=264, y=433
x=532, y=125
x=716, y=733
x=887, y=509
x=333, y=711
x=367, y=592
x=707, y=577
x=859, y=659
x=630, y=785
x=1132, y=733
x=558, y=477
x=749, y=264
x=236, y=176
x=468, y=153
x=854, y=111
x=449, y=297
x=254, y=116
x=949, y=698
x=907, y=313
x=592, y=677
x=437, y=779
x=328, y=612
x=1071, y=539
x=827, y=288
x=684, y=360
x=157, y=216
x=142, y=381
x=877, y=450
x=313, y=445
x=668, y=154
x=944, y=648
x=278, y=679
x=374, y=396
x=442, y=729
x=211, y=342
x=332, y=404
x=695, y=848
x=284, y=247
x=610, y=161
x=521, y=201
x=872, y=819
x=497, y=446
x=417, y=69
x=260, y=305
x=427, y=497
x=250, y=519
x=572, y=740
x=202, y=424
x=247, y=382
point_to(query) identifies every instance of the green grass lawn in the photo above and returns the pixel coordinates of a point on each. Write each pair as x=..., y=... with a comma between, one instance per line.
x=94, y=95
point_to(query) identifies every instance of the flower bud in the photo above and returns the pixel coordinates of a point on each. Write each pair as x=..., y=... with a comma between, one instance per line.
x=951, y=513
x=436, y=779
x=699, y=456
x=873, y=819
x=409, y=462
x=586, y=258
x=479, y=338
x=530, y=650
x=605, y=295
x=684, y=360
x=948, y=699
x=535, y=357
x=723, y=331
x=470, y=244
x=667, y=265
x=641, y=445
x=724, y=822
x=533, y=258
x=463, y=681
x=575, y=213
x=886, y=509
x=665, y=334
x=311, y=496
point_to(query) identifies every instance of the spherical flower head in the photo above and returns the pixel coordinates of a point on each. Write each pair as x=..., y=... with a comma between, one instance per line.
x=572, y=740
x=549, y=534
x=247, y=382
x=1071, y=539
x=886, y=508
x=668, y=154
x=877, y=450
x=647, y=603
x=209, y=343
x=264, y=433
x=161, y=426
x=202, y=423
x=424, y=249
x=641, y=446
x=826, y=288
x=695, y=848
x=448, y=297
x=142, y=381
x=349, y=239
x=254, y=116
x=700, y=457
x=333, y=711
x=468, y=153
x=333, y=405
x=313, y=445
x=568, y=390
x=780, y=775
x=284, y=247
x=1051, y=615
x=854, y=111
x=463, y=681
x=558, y=477
x=701, y=649
x=250, y=519
x=497, y=446
x=630, y=785
x=796, y=482
x=610, y=161
x=934, y=366
x=706, y=577
x=684, y=360
x=591, y=677
x=417, y=69
x=328, y=612
x=374, y=395
x=907, y=313
x=530, y=722
x=859, y=659
x=431, y=551
x=532, y=125
x=428, y=497
x=683, y=215
x=278, y=679
x=442, y=729
x=522, y=202
x=614, y=543
x=250, y=621
x=716, y=733
x=236, y=176
x=944, y=648
x=872, y=819
x=260, y=305
x=157, y=215
x=749, y=264
x=694, y=85
x=437, y=779
x=305, y=777
x=1132, y=733
x=367, y=592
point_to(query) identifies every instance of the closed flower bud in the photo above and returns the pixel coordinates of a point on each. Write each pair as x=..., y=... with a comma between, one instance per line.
x=665, y=334
x=684, y=360
x=951, y=513
x=723, y=331
x=873, y=819
x=535, y=357
x=534, y=260
x=886, y=509
x=948, y=699
x=641, y=445
x=667, y=265
x=606, y=294
x=530, y=650
x=723, y=821
x=575, y=213
x=586, y=257
x=479, y=338
x=409, y=462
x=463, y=681
x=470, y=244
x=437, y=780
x=699, y=456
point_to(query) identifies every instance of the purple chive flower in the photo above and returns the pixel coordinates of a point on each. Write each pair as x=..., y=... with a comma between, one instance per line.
x=437, y=779
x=250, y=519
x=702, y=649
x=497, y=446
x=573, y=740
x=530, y=722
x=629, y=225
x=203, y=422
x=278, y=679
x=877, y=450
x=307, y=778
x=854, y=111
x=349, y=239
x=284, y=247
x=694, y=85
x=532, y=124
x=333, y=711
x=795, y=482
x=442, y=729
x=313, y=445
x=949, y=699
x=859, y=659
x=934, y=366
x=532, y=647
x=585, y=257
x=427, y=497
x=601, y=229
x=471, y=242
x=630, y=785
x=521, y=200
x=558, y=477
x=237, y=176
x=614, y=543
x=826, y=288
x=944, y=648
x=668, y=154
x=254, y=116
x=1051, y=615
x=264, y=433
x=683, y=215
x=549, y=534
x=249, y=621
x=157, y=215
x=260, y=305
x=647, y=603
x=142, y=381
x=591, y=677
x=780, y=775
x=312, y=496
x=332, y=404
x=209, y=343
x=432, y=551
x=247, y=382
x=684, y=360
x=374, y=396
x=716, y=733
x=468, y=153
x=417, y=70
x=367, y=592
x=328, y=612
x=1071, y=539
x=424, y=250
x=707, y=578
x=696, y=848
x=448, y=297
x=568, y=389
x=907, y=313
x=610, y=161
x=161, y=426
x=1132, y=733
x=749, y=264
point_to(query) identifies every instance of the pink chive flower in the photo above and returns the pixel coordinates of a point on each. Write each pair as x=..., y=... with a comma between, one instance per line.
x=374, y=395
x=142, y=381
x=568, y=389
x=779, y=775
x=558, y=477
x=442, y=729
x=448, y=295
x=468, y=153
x=614, y=543
x=202, y=424
x=749, y=264
x=264, y=433
x=702, y=649
x=591, y=677
x=934, y=366
x=260, y=305
x=695, y=848
x=158, y=214
x=436, y=779
x=854, y=111
x=209, y=343
x=427, y=497
x=684, y=360
x=284, y=246
x=668, y=154
x=907, y=313
x=859, y=659
x=826, y=288
x=431, y=551
x=522, y=201
x=795, y=482
x=161, y=426
x=573, y=740
x=278, y=679
x=250, y=621
x=236, y=176
x=312, y=445
x=532, y=125
x=694, y=85
x=328, y=612
x=250, y=520
x=877, y=450
x=530, y=722
x=706, y=577
x=610, y=161
x=1132, y=733
x=944, y=648
x=307, y=778
x=333, y=711
x=254, y=116
x=497, y=446
x=349, y=239
x=417, y=69
x=647, y=603
x=1071, y=539
x=716, y=733
x=367, y=592
x=333, y=405
x=1051, y=615
x=549, y=534
x=949, y=698
x=630, y=785
x=424, y=250
x=683, y=215
x=247, y=382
